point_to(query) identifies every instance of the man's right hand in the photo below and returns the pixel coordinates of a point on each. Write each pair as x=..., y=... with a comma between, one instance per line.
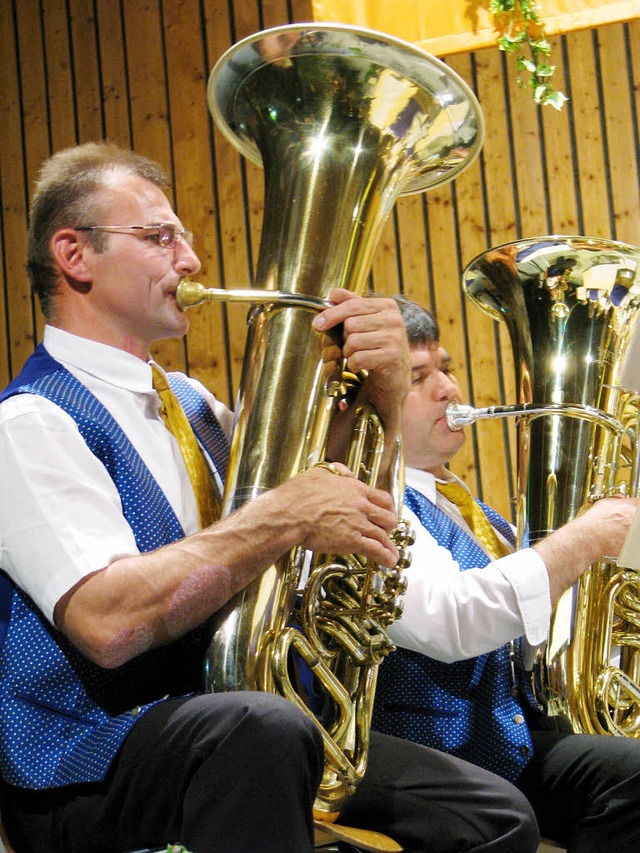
x=596, y=534
x=341, y=515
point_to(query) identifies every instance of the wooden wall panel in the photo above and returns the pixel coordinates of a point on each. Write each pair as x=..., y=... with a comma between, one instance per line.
x=18, y=328
x=60, y=79
x=114, y=76
x=194, y=195
x=135, y=72
x=486, y=218
x=558, y=149
x=88, y=96
x=621, y=129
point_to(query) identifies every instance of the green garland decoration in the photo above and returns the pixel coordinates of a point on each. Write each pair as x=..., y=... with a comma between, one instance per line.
x=522, y=34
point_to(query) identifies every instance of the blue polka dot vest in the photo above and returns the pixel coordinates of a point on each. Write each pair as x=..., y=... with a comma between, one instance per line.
x=466, y=708
x=62, y=718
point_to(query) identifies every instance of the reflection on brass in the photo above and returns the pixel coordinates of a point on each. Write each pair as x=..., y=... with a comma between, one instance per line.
x=343, y=121
x=571, y=305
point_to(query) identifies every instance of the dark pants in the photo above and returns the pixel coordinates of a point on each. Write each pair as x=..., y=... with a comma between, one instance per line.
x=237, y=773
x=585, y=790
x=431, y=802
x=227, y=773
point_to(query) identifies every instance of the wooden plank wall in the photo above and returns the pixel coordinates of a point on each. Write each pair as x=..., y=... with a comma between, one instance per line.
x=135, y=72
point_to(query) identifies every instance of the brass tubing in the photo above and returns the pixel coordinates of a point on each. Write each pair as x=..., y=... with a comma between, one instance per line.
x=190, y=293
x=459, y=416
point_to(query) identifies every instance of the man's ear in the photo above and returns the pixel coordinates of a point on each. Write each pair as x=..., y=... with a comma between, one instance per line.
x=69, y=250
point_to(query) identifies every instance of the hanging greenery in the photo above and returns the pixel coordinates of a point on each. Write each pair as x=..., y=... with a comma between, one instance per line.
x=521, y=33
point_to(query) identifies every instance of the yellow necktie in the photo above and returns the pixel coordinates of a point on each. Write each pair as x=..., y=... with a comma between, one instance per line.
x=178, y=424
x=475, y=518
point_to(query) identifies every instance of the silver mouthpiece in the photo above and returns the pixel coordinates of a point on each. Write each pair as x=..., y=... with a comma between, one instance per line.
x=459, y=416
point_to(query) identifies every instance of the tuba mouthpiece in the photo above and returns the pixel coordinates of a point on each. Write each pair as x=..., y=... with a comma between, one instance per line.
x=189, y=293
x=459, y=416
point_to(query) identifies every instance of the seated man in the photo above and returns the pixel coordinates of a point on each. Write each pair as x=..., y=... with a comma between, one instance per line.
x=454, y=683
x=113, y=561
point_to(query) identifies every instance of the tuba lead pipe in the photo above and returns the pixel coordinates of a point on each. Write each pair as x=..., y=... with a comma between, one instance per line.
x=459, y=416
x=191, y=293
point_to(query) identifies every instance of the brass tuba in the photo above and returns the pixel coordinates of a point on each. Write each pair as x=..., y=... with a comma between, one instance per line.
x=343, y=121
x=571, y=305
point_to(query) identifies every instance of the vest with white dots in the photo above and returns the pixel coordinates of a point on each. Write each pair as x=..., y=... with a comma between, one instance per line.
x=465, y=708
x=62, y=718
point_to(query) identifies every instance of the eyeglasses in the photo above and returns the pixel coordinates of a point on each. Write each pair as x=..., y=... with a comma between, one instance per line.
x=164, y=234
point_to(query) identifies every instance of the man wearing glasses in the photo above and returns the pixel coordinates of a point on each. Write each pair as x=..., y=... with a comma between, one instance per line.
x=106, y=744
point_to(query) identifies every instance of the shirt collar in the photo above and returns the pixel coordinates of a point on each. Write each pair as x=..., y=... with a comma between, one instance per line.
x=425, y=482
x=106, y=363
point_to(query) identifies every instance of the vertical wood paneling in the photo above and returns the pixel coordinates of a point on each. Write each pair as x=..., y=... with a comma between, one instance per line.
x=622, y=160
x=18, y=329
x=58, y=53
x=235, y=262
x=189, y=129
x=384, y=271
x=34, y=104
x=590, y=160
x=146, y=52
x=557, y=140
x=113, y=73
x=88, y=96
x=526, y=162
x=9, y=107
x=485, y=218
x=413, y=247
x=135, y=72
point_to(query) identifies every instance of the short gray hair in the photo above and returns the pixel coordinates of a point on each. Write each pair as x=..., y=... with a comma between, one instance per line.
x=421, y=325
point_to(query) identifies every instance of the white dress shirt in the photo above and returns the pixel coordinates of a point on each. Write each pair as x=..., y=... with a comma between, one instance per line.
x=60, y=513
x=450, y=614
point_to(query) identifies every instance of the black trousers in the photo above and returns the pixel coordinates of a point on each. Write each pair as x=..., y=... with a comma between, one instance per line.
x=237, y=773
x=585, y=790
x=224, y=773
x=431, y=802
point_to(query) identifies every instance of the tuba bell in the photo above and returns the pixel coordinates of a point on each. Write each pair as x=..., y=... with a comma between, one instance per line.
x=343, y=121
x=571, y=306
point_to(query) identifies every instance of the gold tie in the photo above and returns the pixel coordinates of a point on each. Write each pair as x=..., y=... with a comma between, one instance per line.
x=475, y=518
x=178, y=424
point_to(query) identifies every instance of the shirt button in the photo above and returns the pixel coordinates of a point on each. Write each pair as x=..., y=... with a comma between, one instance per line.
x=135, y=711
x=518, y=719
x=524, y=751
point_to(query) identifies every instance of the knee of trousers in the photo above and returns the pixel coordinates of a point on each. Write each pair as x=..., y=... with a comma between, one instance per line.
x=273, y=726
x=280, y=722
x=520, y=826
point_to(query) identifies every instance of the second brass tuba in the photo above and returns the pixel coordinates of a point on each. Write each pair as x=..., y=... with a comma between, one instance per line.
x=343, y=121
x=572, y=308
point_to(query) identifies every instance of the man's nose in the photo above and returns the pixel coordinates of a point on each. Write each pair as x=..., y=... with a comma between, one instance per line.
x=186, y=260
x=446, y=387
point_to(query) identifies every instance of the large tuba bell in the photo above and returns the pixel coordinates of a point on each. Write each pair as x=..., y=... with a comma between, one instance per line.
x=343, y=121
x=571, y=305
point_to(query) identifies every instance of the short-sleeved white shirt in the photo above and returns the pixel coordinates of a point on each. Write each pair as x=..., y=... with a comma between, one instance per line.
x=60, y=513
